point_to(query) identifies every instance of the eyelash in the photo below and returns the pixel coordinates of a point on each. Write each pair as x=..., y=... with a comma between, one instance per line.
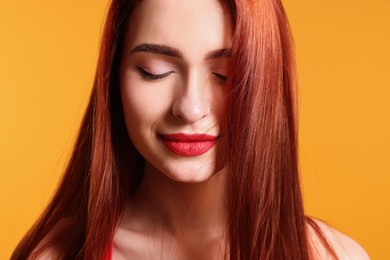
x=220, y=77
x=150, y=76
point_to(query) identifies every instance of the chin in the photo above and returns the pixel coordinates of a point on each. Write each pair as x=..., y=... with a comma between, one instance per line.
x=194, y=176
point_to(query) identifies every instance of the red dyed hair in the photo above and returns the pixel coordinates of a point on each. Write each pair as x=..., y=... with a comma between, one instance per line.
x=265, y=208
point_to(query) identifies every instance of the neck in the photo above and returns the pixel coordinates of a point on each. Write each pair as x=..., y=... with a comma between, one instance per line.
x=192, y=210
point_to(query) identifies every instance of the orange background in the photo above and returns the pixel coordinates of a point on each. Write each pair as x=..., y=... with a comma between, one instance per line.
x=48, y=54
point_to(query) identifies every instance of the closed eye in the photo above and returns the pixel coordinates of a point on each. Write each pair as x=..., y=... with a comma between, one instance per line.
x=220, y=76
x=150, y=76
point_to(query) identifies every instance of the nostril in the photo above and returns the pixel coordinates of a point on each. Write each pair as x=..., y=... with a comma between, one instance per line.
x=192, y=99
x=191, y=109
x=178, y=116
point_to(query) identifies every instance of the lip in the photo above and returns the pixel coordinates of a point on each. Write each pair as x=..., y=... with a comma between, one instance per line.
x=188, y=144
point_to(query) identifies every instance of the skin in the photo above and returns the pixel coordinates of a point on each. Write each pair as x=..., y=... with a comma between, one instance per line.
x=189, y=99
x=177, y=212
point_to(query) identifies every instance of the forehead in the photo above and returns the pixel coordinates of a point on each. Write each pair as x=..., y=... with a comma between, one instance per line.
x=192, y=26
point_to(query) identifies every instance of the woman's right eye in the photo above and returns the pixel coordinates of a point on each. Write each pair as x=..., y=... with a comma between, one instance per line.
x=150, y=76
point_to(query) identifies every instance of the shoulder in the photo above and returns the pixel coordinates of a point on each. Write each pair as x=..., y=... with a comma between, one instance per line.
x=46, y=250
x=344, y=246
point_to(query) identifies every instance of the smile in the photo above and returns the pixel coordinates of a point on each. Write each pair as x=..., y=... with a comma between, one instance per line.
x=189, y=145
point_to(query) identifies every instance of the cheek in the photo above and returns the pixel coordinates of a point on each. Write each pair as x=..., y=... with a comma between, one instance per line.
x=219, y=103
x=143, y=104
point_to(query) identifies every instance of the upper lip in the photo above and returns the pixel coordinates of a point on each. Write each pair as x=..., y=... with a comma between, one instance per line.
x=181, y=137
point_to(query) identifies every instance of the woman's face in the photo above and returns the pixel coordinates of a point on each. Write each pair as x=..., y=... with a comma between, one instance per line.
x=173, y=83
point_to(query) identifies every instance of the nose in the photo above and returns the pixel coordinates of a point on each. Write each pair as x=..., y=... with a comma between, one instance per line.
x=191, y=103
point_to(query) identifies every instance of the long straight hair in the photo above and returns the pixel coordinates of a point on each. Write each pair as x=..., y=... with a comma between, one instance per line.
x=265, y=209
x=265, y=203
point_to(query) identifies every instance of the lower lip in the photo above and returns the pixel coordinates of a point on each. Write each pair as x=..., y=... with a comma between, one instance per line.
x=189, y=148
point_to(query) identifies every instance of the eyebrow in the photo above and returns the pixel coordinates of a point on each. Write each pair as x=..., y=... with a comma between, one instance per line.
x=173, y=52
x=222, y=53
x=157, y=49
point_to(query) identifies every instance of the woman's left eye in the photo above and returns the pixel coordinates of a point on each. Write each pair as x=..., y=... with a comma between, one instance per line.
x=220, y=76
x=150, y=76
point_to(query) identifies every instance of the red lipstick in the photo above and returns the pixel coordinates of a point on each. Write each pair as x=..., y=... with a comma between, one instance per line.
x=189, y=144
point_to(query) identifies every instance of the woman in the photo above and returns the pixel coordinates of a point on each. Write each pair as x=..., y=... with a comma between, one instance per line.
x=188, y=149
